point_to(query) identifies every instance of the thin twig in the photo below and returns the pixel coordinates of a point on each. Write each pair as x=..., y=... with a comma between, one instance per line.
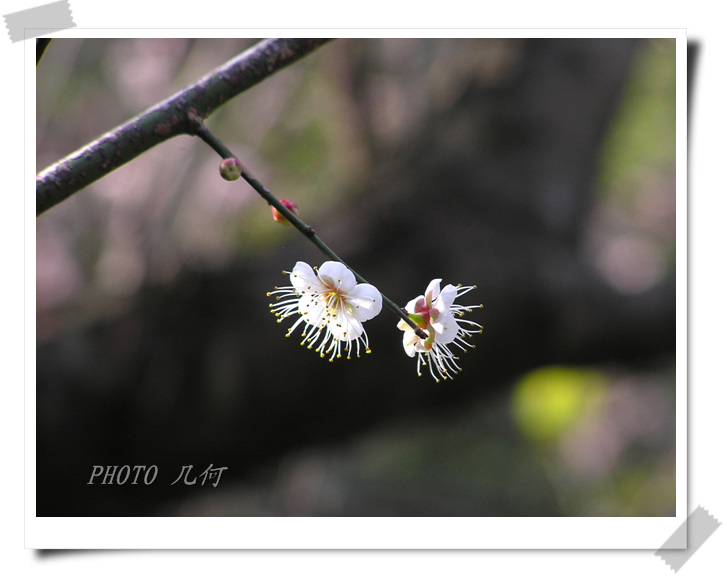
x=172, y=117
x=203, y=133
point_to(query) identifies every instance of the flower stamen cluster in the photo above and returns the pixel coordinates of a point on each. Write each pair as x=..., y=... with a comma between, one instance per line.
x=436, y=313
x=332, y=308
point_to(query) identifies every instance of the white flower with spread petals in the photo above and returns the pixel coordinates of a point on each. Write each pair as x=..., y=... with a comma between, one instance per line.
x=332, y=307
x=436, y=313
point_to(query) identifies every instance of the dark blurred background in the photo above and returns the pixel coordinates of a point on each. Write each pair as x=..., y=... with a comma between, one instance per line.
x=543, y=171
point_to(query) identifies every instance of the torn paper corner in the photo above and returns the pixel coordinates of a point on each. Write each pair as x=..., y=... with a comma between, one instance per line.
x=38, y=21
x=688, y=538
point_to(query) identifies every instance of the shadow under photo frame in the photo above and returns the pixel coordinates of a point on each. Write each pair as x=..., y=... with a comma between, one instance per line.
x=169, y=412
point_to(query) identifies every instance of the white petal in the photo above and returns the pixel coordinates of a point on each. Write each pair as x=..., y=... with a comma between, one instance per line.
x=410, y=340
x=303, y=278
x=446, y=298
x=412, y=304
x=445, y=328
x=345, y=328
x=312, y=307
x=335, y=274
x=432, y=290
x=342, y=324
x=366, y=301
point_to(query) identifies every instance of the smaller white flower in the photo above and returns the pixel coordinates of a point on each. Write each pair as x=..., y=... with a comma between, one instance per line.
x=332, y=307
x=436, y=313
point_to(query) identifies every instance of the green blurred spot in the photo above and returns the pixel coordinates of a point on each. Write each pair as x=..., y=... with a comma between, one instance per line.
x=549, y=401
x=301, y=150
x=642, y=139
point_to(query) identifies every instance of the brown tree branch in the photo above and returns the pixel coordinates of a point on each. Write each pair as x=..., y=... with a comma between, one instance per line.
x=177, y=115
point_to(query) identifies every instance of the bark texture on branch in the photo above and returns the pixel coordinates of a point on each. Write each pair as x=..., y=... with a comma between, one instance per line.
x=170, y=118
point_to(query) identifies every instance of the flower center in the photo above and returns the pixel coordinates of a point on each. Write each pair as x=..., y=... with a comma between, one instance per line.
x=334, y=299
x=423, y=316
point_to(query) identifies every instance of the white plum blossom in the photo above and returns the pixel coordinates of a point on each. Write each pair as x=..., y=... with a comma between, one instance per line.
x=332, y=307
x=436, y=314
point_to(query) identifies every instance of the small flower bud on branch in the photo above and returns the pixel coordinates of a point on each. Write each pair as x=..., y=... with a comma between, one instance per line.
x=291, y=206
x=230, y=169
